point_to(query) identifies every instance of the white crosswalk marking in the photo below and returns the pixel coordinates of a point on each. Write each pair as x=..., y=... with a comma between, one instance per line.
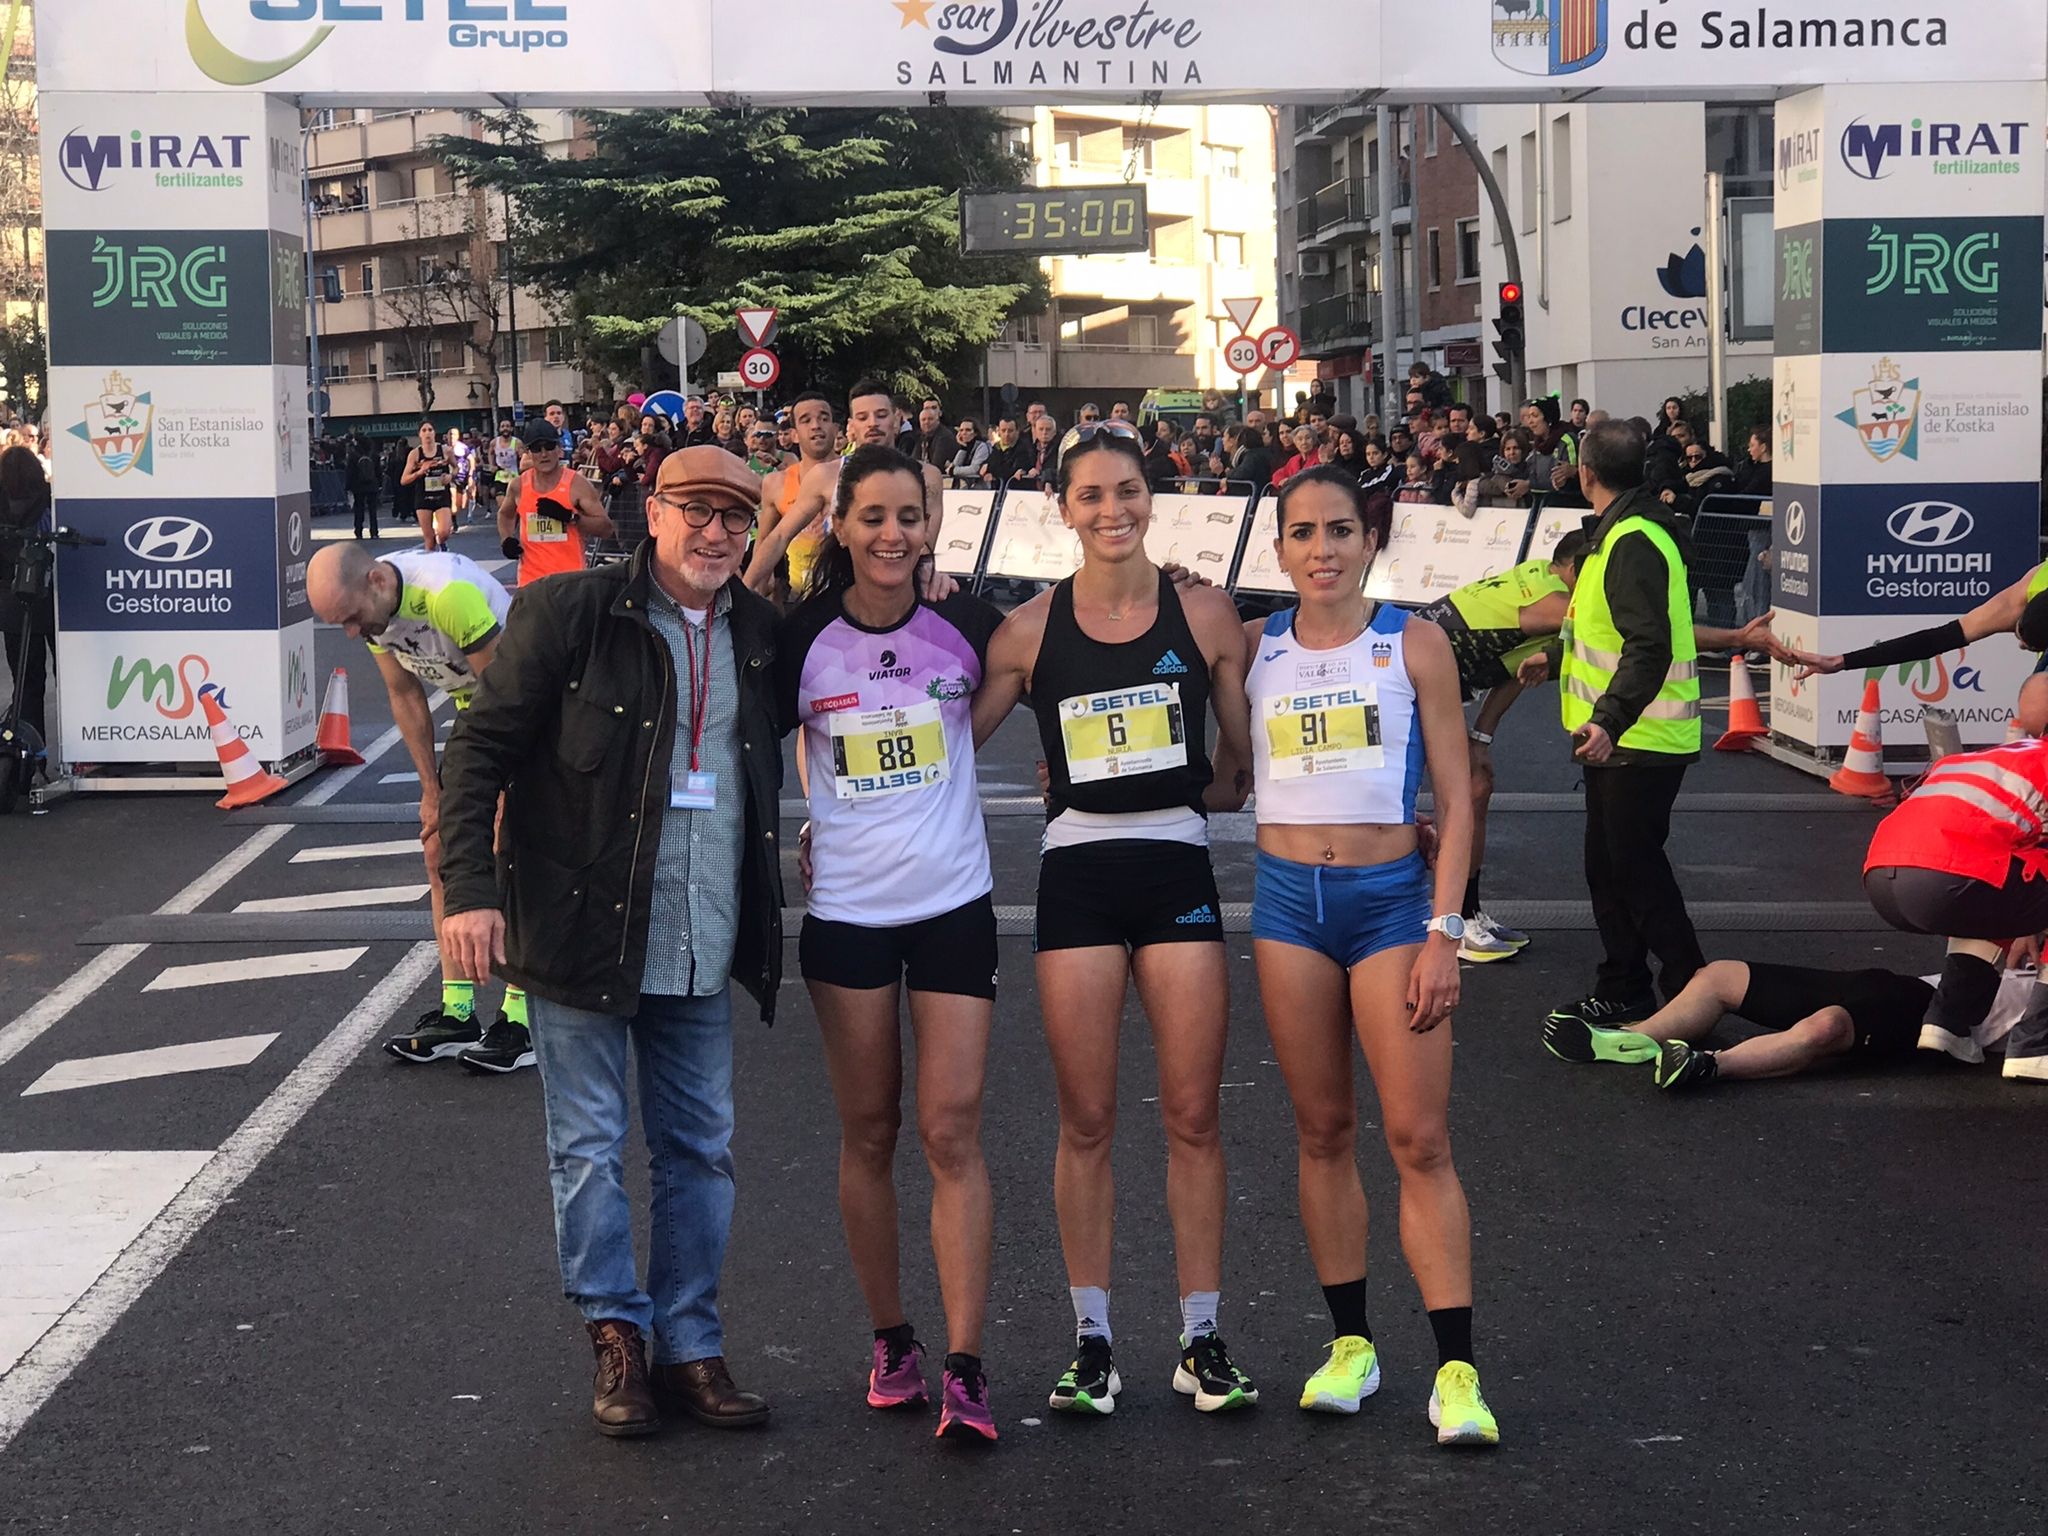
x=332, y=901
x=64, y=1217
x=400, y=778
x=340, y=851
x=159, y=1061
x=304, y=962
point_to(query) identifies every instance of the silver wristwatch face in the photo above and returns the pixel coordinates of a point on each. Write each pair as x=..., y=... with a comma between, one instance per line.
x=1452, y=927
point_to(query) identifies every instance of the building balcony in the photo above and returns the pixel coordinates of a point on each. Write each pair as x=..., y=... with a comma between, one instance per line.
x=1080, y=365
x=1342, y=208
x=1338, y=323
x=390, y=135
x=352, y=316
x=1332, y=121
x=1136, y=279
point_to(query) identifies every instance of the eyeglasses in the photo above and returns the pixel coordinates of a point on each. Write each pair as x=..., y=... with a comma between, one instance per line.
x=697, y=514
x=1087, y=431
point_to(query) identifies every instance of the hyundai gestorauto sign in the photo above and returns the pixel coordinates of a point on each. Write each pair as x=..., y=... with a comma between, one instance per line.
x=566, y=52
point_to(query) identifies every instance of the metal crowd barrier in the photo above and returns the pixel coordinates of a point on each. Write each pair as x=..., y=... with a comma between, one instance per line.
x=1730, y=580
x=330, y=489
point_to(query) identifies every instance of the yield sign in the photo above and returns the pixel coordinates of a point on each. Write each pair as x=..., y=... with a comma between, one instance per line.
x=1241, y=311
x=757, y=326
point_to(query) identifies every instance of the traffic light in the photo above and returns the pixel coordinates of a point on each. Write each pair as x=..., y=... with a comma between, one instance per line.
x=1509, y=334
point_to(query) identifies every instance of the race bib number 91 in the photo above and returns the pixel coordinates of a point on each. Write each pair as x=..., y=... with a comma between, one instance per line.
x=878, y=752
x=1130, y=731
x=1324, y=730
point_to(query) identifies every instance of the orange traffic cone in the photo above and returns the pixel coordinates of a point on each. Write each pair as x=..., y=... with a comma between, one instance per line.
x=247, y=780
x=1745, y=720
x=1862, y=770
x=332, y=741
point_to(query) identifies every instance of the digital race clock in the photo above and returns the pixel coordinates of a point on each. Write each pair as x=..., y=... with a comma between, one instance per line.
x=1050, y=221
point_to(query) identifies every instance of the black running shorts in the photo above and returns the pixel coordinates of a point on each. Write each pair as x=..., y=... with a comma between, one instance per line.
x=954, y=952
x=1481, y=654
x=1130, y=892
x=1885, y=1007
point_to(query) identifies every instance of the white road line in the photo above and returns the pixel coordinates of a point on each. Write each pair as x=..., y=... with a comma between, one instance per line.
x=303, y=962
x=19, y=1033
x=157, y=1061
x=64, y=1217
x=73, y=1336
x=336, y=852
x=400, y=778
x=335, y=901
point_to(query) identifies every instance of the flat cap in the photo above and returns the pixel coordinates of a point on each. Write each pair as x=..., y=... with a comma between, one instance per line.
x=711, y=473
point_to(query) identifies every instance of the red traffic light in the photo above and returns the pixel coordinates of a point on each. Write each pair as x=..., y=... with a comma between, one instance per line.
x=1511, y=293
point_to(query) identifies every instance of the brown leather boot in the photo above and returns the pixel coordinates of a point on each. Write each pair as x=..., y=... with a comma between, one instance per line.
x=704, y=1390
x=622, y=1403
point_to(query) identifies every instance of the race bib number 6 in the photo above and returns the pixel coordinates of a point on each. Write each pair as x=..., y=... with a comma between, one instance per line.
x=1130, y=731
x=1324, y=730
x=878, y=752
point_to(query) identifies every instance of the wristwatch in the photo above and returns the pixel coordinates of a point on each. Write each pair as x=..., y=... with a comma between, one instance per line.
x=1451, y=927
x=1482, y=737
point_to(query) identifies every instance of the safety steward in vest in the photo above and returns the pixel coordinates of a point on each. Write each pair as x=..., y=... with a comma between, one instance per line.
x=1629, y=686
x=1962, y=857
x=550, y=511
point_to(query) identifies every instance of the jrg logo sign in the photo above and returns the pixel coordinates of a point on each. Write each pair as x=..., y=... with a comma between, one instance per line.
x=145, y=277
x=1924, y=263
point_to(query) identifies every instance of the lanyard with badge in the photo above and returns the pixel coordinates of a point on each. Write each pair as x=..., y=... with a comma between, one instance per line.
x=689, y=789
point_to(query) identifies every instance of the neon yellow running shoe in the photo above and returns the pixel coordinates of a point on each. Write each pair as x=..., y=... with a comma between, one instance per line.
x=1458, y=1411
x=1347, y=1378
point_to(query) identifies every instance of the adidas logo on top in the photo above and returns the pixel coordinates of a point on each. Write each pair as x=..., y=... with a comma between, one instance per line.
x=1169, y=665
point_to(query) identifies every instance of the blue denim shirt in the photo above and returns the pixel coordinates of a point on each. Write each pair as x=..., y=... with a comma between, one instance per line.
x=694, y=919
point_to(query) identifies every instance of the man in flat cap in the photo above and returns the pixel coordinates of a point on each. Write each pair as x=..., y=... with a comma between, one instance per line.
x=628, y=719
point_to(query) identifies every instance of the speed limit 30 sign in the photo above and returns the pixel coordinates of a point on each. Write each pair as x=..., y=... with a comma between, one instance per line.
x=760, y=368
x=1243, y=355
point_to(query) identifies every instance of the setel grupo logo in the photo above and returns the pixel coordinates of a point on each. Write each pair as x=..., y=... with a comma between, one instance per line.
x=93, y=162
x=1549, y=37
x=1872, y=151
x=516, y=26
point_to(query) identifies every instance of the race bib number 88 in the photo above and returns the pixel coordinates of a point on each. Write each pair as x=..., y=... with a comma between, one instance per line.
x=1130, y=731
x=1324, y=730
x=878, y=752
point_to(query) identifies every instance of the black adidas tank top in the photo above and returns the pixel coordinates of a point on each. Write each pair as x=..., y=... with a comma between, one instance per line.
x=1124, y=727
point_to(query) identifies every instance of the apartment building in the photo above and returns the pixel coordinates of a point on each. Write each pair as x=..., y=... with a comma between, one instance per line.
x=1335, y=237
x=21, y=194
x=1620, y=319
x=412, y=311
x=1119, y=326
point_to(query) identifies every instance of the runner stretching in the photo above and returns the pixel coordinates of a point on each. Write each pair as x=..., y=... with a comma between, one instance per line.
x=881, y=685
x=1351, y=701
x=426, y=474
x=1120, y=669
x=432, y=621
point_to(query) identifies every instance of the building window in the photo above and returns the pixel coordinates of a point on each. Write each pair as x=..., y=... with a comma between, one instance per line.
x=1023, y=331
x=1560, y=168
x=1468, y=250
x=423, y=183
x=1429, y=114
x=1227, y=249
x=334, y=364
x=328, y=291
x=1531, y=180
x=1436, y=258
x=1144, y=331
x=1066, y=146
x=561, y=346
x=369, y=278
x=1225, y=161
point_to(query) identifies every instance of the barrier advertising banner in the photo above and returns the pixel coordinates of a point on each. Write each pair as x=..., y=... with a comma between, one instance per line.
x=1434, y=550
x=964, y=530
x=171, y=161
x=1032, y=543
x=1199, y=532
x=175, y=432
x=569, y=52
x=132, y=696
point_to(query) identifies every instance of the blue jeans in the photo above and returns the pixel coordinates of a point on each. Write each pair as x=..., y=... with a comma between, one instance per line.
x=683, y=1049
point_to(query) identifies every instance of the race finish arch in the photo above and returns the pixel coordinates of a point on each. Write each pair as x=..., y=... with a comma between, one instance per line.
x=1910, y=185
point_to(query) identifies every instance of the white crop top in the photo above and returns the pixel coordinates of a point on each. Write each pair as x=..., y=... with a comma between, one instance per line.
x=1336, y=739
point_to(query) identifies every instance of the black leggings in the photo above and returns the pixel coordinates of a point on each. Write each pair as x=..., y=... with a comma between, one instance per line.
x=1957, y=907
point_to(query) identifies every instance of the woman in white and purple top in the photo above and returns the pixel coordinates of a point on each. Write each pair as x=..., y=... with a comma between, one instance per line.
x=881, y=684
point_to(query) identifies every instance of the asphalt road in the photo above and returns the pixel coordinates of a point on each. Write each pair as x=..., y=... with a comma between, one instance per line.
x=314, y=1290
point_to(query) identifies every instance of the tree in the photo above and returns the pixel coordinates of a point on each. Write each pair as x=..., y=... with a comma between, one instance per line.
x=846, y=222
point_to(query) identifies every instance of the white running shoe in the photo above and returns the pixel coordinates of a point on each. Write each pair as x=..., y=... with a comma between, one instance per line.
x=1482, y=945
x=1502, y=931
